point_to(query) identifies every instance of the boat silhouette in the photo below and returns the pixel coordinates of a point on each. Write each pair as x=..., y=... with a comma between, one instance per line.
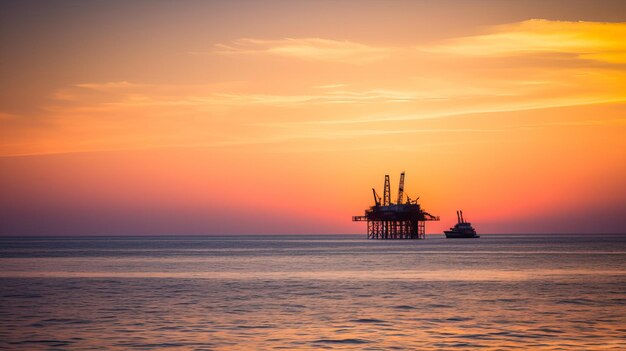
x=462, y=229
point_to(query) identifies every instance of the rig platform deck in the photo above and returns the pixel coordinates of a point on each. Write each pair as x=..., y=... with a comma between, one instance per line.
x=402, y=220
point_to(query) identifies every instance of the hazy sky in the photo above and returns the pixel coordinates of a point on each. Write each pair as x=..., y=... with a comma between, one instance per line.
x=243, y=117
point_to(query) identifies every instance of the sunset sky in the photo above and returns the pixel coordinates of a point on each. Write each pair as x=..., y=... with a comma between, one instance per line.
x=278, y=117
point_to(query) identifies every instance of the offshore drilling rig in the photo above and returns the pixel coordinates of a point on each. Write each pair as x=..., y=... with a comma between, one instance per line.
x=387, y=220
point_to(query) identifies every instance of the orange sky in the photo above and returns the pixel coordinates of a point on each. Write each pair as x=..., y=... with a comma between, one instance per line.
x=278, y=117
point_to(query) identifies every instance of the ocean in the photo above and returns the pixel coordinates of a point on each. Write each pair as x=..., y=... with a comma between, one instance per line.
x=499, y=292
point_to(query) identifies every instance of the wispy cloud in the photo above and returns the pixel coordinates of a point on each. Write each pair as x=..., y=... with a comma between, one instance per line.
x=585, y=40
x=107, y=86
x=329, y=96
x=317, y=49
x=331, y=86
x=463, y=111
x=130, y=94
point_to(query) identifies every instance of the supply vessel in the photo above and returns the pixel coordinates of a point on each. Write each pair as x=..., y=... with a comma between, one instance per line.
x=462, y=229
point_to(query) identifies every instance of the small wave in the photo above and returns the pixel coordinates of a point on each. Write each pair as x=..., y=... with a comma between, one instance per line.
x=341, y=341
x=22, y=296
x=458, y=319
x=52, y=343
x=168, y=328
x=256, y=326
x=507, y=300
x=153, y=345
x=548, y=330
x=367, y=320
x=575, y=302
x=66, y=321
x=438, y=305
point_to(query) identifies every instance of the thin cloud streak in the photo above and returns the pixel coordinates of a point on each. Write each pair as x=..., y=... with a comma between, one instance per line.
x=312, y=135
x=586, y=40
x=141, y=97
x=316, y=49
x=464, y=112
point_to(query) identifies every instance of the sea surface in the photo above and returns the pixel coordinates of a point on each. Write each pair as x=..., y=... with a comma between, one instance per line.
x=500, y=292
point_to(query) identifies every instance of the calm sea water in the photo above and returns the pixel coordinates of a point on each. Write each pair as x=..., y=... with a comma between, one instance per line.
x=539, y=292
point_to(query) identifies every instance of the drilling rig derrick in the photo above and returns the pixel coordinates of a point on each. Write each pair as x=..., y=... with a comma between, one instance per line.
x=400, y=189
x=387, y=220
x=387, y=192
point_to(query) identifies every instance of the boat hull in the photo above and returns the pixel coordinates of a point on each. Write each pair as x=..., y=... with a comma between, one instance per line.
x=456, y=235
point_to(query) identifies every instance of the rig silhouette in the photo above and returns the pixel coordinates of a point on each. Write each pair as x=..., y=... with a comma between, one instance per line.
x=386, y=220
